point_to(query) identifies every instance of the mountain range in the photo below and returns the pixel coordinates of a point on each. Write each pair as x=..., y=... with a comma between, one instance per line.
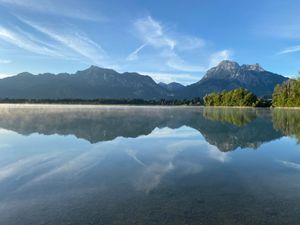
x=96, y=82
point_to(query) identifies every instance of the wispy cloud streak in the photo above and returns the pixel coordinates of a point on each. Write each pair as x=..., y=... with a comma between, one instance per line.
x=184, y=78
x=76, y=41
x=26, y=42
x=4, y=61
x=174, y=51
x=152, y=33
x=290, y=50
x=178, y=64
x=217, y=57
x=290, y=164
x=134, y=55
x=71, y=9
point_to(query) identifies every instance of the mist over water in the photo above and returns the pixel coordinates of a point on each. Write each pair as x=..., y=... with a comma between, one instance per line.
x=148, y=165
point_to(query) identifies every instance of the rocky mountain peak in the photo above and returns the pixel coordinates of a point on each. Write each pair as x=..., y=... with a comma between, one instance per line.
x=24, y=74
x=96, y=71
x=97, y=68
x=225, y=69
x=228, y=65
x=228, y=69
x=253, y=67
x=229, y=75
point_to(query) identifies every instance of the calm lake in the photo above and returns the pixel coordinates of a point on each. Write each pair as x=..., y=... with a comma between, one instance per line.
x=73, y=165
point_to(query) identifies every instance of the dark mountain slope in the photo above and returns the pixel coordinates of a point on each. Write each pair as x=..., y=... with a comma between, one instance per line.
x=229, y=75
x=91, y=83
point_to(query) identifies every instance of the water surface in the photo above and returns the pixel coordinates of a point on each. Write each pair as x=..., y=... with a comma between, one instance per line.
x=148, y=165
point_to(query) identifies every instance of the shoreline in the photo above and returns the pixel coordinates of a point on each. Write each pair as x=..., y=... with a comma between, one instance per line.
x=63, y=105
x=56, y=105
x=284, y=107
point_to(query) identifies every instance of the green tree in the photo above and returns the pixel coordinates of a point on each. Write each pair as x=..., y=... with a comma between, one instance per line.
x=287, y=94
x=236, y=97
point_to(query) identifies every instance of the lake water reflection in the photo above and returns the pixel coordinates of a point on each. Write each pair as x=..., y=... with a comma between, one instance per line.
x=148, y=165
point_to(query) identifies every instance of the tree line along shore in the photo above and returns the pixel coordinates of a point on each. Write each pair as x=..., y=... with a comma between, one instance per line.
x=284, y=95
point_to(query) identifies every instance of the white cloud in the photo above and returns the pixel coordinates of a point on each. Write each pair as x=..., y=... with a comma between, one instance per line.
x=3, y=75
x=16, y=168
x=216, y=154
x=71, y=9
x=288, y=30
x=285, y=29
x=183, y=78
x=183, y=132
x=59, y=44
x=217, y=57
x=133, y=154
x=290, y=164
x=134, y=55
x=153, y=172
x=73, y=167
x=26, y=42
x=179, y=64
x=151, y=32
x=185, y=74
x=175, y=62
x=171, y=51
x=75, y=41
x=152, y=175
x=187, y=43
x=4, y=61
x=290, y=50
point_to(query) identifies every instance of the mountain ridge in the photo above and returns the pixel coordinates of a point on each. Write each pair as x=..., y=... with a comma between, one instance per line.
x=94, y=82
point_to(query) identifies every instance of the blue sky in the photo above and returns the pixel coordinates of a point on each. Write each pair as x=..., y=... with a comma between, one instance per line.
x=170, y=40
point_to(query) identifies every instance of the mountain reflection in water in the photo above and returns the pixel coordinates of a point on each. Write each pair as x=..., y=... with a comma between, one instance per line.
x=226, y=128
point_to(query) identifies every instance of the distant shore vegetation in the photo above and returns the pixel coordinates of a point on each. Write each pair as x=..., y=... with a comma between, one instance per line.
x=287, y=121
x=173, y=102
x=237, y=97
x=238, y=117
x=287, y=94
